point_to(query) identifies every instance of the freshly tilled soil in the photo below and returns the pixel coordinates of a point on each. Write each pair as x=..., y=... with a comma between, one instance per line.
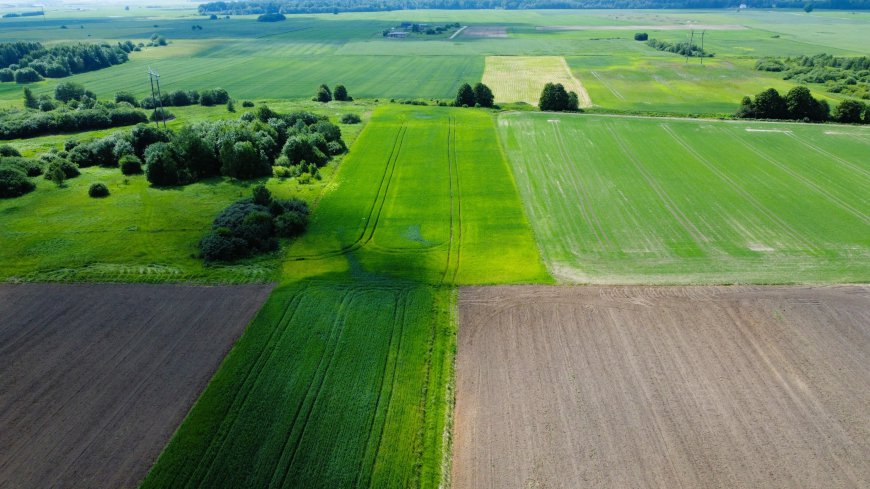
x=94, y=379
x=663, y=387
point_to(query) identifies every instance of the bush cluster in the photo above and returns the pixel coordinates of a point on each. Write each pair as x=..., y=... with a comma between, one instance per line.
x=98, y=190
x=183, y=98
x=479, y=96
x=798, y=104
x=684, y=48
x=554, y=98
x=350, y=119
x=838, y=74
x=14, y=182
x=28, y=124
x=253, y=225
x=339, y=94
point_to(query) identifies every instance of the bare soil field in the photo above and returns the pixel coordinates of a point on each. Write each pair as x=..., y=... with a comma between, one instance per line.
x=486, y=31
x=94, y=379
x=665, y=387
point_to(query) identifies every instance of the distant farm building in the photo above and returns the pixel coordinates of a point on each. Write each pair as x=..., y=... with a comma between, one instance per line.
x=397, y=34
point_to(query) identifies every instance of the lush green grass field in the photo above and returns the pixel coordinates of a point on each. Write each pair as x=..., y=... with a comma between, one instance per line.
x=333, y=385
x=139, y=233
x=427, y=195
x=640, y=200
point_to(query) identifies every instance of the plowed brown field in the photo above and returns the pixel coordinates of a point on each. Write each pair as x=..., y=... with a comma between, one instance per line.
x=94, y=379
x=664, y=387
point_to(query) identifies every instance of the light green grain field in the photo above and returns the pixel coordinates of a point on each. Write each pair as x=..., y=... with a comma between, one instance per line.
x=644, y=200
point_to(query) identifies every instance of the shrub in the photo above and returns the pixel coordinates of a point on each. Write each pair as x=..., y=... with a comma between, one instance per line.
x=641, y=36
x=130, y=165
x=350, y=119
x=162, y=164
x=67, y=91
x=69, y=169
x=340, y=94
x=247, y=103
x=30, y=167
x=323, y=94
x=143, y=136
x=98, y=190
x=221, y=245
x=27, y=75
x=7, y=150
x=7, y=75
x=14, y=183
x=161, y=114
x=126, y=97
x=262, y=196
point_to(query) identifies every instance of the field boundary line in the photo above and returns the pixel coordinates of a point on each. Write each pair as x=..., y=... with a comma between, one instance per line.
x=582, y=94
x=669, y=204
x=455, y=203
x=458, y=32
x=585, y=206
x=383, y=199
x=338, y=327
x=737, y=188
x=247, y=386
x=809, y=183
x=458, y=206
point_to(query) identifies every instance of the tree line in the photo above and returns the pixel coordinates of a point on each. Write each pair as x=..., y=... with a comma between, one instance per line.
x=26, y=62
x=307, y=6
x=799, y=105
x=683, y=48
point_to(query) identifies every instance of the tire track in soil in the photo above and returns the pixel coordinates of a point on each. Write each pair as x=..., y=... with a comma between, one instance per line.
x=807, y=182
x=386, y=179
x=788, y=229
x=337, y=332
x=586, y=210
x=241, y=396
x=666, y=200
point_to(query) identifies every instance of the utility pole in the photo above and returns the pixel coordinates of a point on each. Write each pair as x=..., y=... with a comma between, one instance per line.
x=702, y=46
x=157, y=98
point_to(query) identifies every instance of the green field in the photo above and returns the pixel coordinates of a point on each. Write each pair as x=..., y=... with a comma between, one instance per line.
x=333, y=385
x=645, y=200
x=426, y=194
x=140, y=233
x=287, y=59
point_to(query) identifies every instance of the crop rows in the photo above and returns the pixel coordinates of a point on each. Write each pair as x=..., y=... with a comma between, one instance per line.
x=645, y=200
x=332, y=386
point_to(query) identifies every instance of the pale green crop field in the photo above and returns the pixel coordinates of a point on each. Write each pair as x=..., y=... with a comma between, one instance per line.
x=642, y=200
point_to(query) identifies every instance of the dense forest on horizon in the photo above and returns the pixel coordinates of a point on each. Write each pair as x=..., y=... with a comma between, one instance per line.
x=312, y=6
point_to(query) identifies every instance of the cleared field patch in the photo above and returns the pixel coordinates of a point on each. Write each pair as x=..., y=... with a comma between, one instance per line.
x=94, y=379
x=425, y=194
x=333, y=385
x=662, y=387
x=522, y=78
x=643, y=200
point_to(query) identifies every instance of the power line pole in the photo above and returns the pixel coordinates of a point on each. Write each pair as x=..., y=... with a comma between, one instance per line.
x=157, y=98
x=702, y=47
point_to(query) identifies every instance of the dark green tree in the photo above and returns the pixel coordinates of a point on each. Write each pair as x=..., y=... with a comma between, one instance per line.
x=808, y=7
x=769, y=104
x=573, y=102
x=483, y=95
x=849, y=112
x=554, y=98
x=800, y=103
x=465, y=96
x=340, y=94
x=30, y=100
x=262, y=196
x=162, y=164
x=323, y=94
x=67, y=91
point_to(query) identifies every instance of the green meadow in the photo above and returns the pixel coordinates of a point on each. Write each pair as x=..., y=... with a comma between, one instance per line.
x=647, y=200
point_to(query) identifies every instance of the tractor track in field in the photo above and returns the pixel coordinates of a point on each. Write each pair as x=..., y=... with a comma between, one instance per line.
x=367, y=233
x=399, y=314
x=808, y=183
x=743, y=193
x=666, y=200
x=846, y=163
x=455, y=204
x=336, y=333
x=240, y=398
x=586, y=210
